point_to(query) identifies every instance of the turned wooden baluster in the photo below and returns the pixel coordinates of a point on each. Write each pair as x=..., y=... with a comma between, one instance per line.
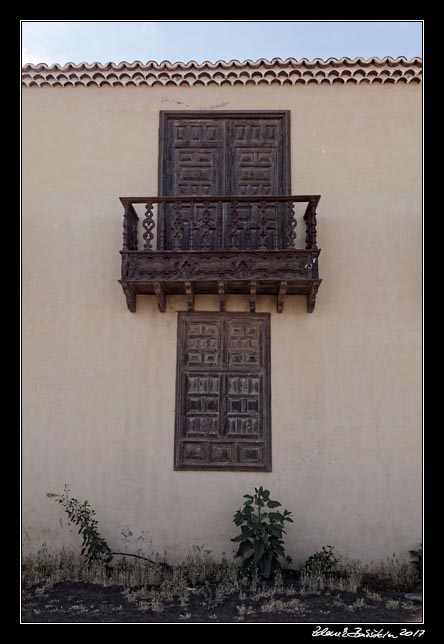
x=177, y=226
x=126, y=227
x=263, y=225
x=291, y=226
x=205, y=234
x=148, y=224
x=310, y=222
x=133, y=229
x=234, y=226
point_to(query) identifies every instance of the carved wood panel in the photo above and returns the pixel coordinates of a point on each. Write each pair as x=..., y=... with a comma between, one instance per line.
x=223, y=391
x=256, y=158
x=223, y=154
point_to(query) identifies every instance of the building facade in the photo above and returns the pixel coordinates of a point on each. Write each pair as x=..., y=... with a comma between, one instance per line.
x=163, y=383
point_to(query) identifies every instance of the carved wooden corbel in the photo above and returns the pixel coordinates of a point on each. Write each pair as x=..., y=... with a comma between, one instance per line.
x=130, y=295
x=311, y=296
x=190, y=296
x=222, y=297
x=281, y=296
x=161, y=300
x=253, y=287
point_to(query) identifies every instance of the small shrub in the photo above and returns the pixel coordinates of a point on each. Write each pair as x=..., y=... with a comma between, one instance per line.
x=347, y=577
x=416, y=555
x=94, y=547
x=260, y=543
x=321, y=562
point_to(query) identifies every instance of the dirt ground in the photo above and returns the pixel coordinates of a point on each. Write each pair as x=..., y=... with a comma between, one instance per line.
x=73, y=602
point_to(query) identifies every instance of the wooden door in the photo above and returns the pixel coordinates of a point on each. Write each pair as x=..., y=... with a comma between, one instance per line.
x=222, y=154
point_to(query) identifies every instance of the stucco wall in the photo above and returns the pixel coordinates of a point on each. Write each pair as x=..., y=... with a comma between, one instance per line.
x=98, y=381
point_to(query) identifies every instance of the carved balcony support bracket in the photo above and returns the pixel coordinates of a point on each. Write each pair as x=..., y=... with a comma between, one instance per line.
x=311, y=296
x=253, y=288
x=222, y=296
x=281, y=296
x=161, y=299
x=190, y=296
x=130, y=295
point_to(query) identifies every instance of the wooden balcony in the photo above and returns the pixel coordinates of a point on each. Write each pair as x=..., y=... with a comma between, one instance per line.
x=219, y=245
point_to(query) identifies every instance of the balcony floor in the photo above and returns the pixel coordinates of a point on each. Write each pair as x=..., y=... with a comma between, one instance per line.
x=163, y=273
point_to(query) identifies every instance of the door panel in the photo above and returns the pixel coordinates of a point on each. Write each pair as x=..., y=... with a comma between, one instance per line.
x=255, y=149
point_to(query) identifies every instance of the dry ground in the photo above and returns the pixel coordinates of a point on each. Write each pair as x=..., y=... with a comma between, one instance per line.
x=204, y=592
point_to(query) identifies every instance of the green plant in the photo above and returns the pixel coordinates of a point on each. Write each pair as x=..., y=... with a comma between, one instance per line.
x=321, y=562
x=260, y=543
x=94, y=547
x=416, y=555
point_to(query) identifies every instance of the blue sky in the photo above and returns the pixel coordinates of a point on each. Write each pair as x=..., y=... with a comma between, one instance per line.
x=61, y=42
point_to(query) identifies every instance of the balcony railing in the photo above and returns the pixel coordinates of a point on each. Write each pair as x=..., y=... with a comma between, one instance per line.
x=222, y=245
x=218, y=223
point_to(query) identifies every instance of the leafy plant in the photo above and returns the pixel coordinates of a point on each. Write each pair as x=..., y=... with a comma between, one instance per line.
x=321, y=562
x=94, y=547
x=416, y=555
x=261, y=543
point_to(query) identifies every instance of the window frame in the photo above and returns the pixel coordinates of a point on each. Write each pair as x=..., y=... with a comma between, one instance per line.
x=180, y=395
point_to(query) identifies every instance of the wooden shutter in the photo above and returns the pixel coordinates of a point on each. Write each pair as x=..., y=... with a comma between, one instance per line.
x=223, y=392
x=239, y=153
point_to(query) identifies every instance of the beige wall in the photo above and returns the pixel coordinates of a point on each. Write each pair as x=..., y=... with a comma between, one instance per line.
x=98, y=381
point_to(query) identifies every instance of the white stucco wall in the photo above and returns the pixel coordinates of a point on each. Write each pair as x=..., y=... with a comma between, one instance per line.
x=98, y=381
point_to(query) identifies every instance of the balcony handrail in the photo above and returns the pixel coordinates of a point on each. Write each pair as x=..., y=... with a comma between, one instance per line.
x=199, y=199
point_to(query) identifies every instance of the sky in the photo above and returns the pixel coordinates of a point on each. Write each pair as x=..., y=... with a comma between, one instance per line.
x=112, y=41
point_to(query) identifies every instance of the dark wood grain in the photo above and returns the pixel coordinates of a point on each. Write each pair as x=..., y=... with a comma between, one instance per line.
x=205, y=154
x=223, y=395
x=221, y=273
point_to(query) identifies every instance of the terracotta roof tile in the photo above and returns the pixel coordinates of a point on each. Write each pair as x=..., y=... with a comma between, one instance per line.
x=269, y=72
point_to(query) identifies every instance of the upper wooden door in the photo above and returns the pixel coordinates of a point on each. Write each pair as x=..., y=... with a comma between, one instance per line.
x=221, y=154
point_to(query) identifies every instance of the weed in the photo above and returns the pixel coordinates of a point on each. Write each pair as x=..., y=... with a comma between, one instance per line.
x=94, y=547
x=395, y=574
x=280, y=606
x=343, y=579
x=338, y=603
x=244, y=611
x=278, y=581
x=376, y=597
x=321, y=562
x=260, y=543
x=416, y=555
